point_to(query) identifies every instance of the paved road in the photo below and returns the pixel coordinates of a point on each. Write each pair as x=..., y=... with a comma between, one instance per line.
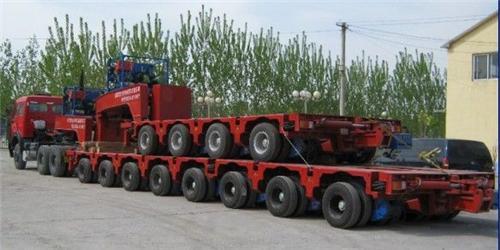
x=44, y=212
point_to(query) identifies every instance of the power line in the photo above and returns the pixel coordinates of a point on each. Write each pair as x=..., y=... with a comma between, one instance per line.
x=422, y=22
x=418, y=19
x=398, y=34
x=396, y=42
x=415, y=36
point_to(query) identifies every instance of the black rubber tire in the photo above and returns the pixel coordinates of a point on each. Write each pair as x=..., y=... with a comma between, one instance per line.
x=19, y=163
x=159, y=180
x=106, y=174
x=366, y=205
x=84, y=171
x=194, y=185
x=223, y=147
x=147, y=140
x=130, y=176
x=302, y=200
x=269, y=152
x=42, y=160
x=233, y=189
x=352, y=211
x=57, y=164
x=182, y=147
x=285, y=187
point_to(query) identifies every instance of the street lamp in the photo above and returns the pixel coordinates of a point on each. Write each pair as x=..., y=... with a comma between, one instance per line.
x=305, y=95
x=208, y=100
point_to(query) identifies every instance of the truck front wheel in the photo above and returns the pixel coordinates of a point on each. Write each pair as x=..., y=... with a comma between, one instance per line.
x=19, y=163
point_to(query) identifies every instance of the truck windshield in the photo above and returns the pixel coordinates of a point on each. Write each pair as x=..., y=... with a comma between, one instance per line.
x=38, y=107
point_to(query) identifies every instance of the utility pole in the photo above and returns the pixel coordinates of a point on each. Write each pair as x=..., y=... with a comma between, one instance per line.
x=343, y=27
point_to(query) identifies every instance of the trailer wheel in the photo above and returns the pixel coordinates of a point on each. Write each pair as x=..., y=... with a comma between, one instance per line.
x=84, y=171
x=57, y=164
x=130, y=176
x=194, y=185
x=265, y=142
x=42, y=160
x=341, y=205
x=218, y=141
x=106, y=174
x=179, y=140
x=366, y=205
x=19, y=163
x=159, y=180
x=302, y=200
x=281, y=195
x=147, y=140
x=233, y=189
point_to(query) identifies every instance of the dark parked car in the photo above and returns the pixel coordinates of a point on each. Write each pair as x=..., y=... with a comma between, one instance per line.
x=455, y=154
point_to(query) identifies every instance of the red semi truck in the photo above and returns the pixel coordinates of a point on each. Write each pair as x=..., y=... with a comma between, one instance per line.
x=292, y=162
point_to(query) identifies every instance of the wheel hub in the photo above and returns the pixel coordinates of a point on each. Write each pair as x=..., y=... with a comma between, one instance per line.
x=176, y=141
x=281, y=196
x=214, y=141
x=144, y=141
x=233, y=190
x=341, y=205
x=261, y=142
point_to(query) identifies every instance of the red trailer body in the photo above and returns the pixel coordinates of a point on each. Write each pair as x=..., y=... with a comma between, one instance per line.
x=205, y=158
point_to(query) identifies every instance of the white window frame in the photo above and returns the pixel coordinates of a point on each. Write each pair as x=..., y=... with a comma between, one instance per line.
x=488, y=61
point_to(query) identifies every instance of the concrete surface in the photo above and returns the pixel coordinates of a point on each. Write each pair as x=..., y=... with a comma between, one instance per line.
x=43, y=212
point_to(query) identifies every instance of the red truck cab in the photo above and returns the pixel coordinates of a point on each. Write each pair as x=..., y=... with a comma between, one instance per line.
x=31, y=113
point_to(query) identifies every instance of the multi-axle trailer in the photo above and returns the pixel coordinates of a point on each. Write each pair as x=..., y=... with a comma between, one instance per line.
x=347, y=195
x=140, y=135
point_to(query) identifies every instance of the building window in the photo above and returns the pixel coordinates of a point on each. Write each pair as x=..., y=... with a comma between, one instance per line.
x=485, y=66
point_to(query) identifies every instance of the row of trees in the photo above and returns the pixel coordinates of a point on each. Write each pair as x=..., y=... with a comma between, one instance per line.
x=253, y=72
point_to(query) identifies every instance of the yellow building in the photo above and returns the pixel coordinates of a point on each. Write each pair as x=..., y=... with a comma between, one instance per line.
x=471, y=106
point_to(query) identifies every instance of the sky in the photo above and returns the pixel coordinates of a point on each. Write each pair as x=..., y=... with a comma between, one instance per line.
x=377, y=28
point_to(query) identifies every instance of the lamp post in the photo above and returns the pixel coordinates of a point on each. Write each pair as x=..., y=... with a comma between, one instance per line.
x=305, y=95
x=208, y=100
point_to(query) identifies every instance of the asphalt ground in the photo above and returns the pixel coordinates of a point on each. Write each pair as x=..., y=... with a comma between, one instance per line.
x=43, y=212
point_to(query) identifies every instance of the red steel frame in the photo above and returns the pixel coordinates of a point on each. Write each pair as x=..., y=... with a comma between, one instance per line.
x=429, y=191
